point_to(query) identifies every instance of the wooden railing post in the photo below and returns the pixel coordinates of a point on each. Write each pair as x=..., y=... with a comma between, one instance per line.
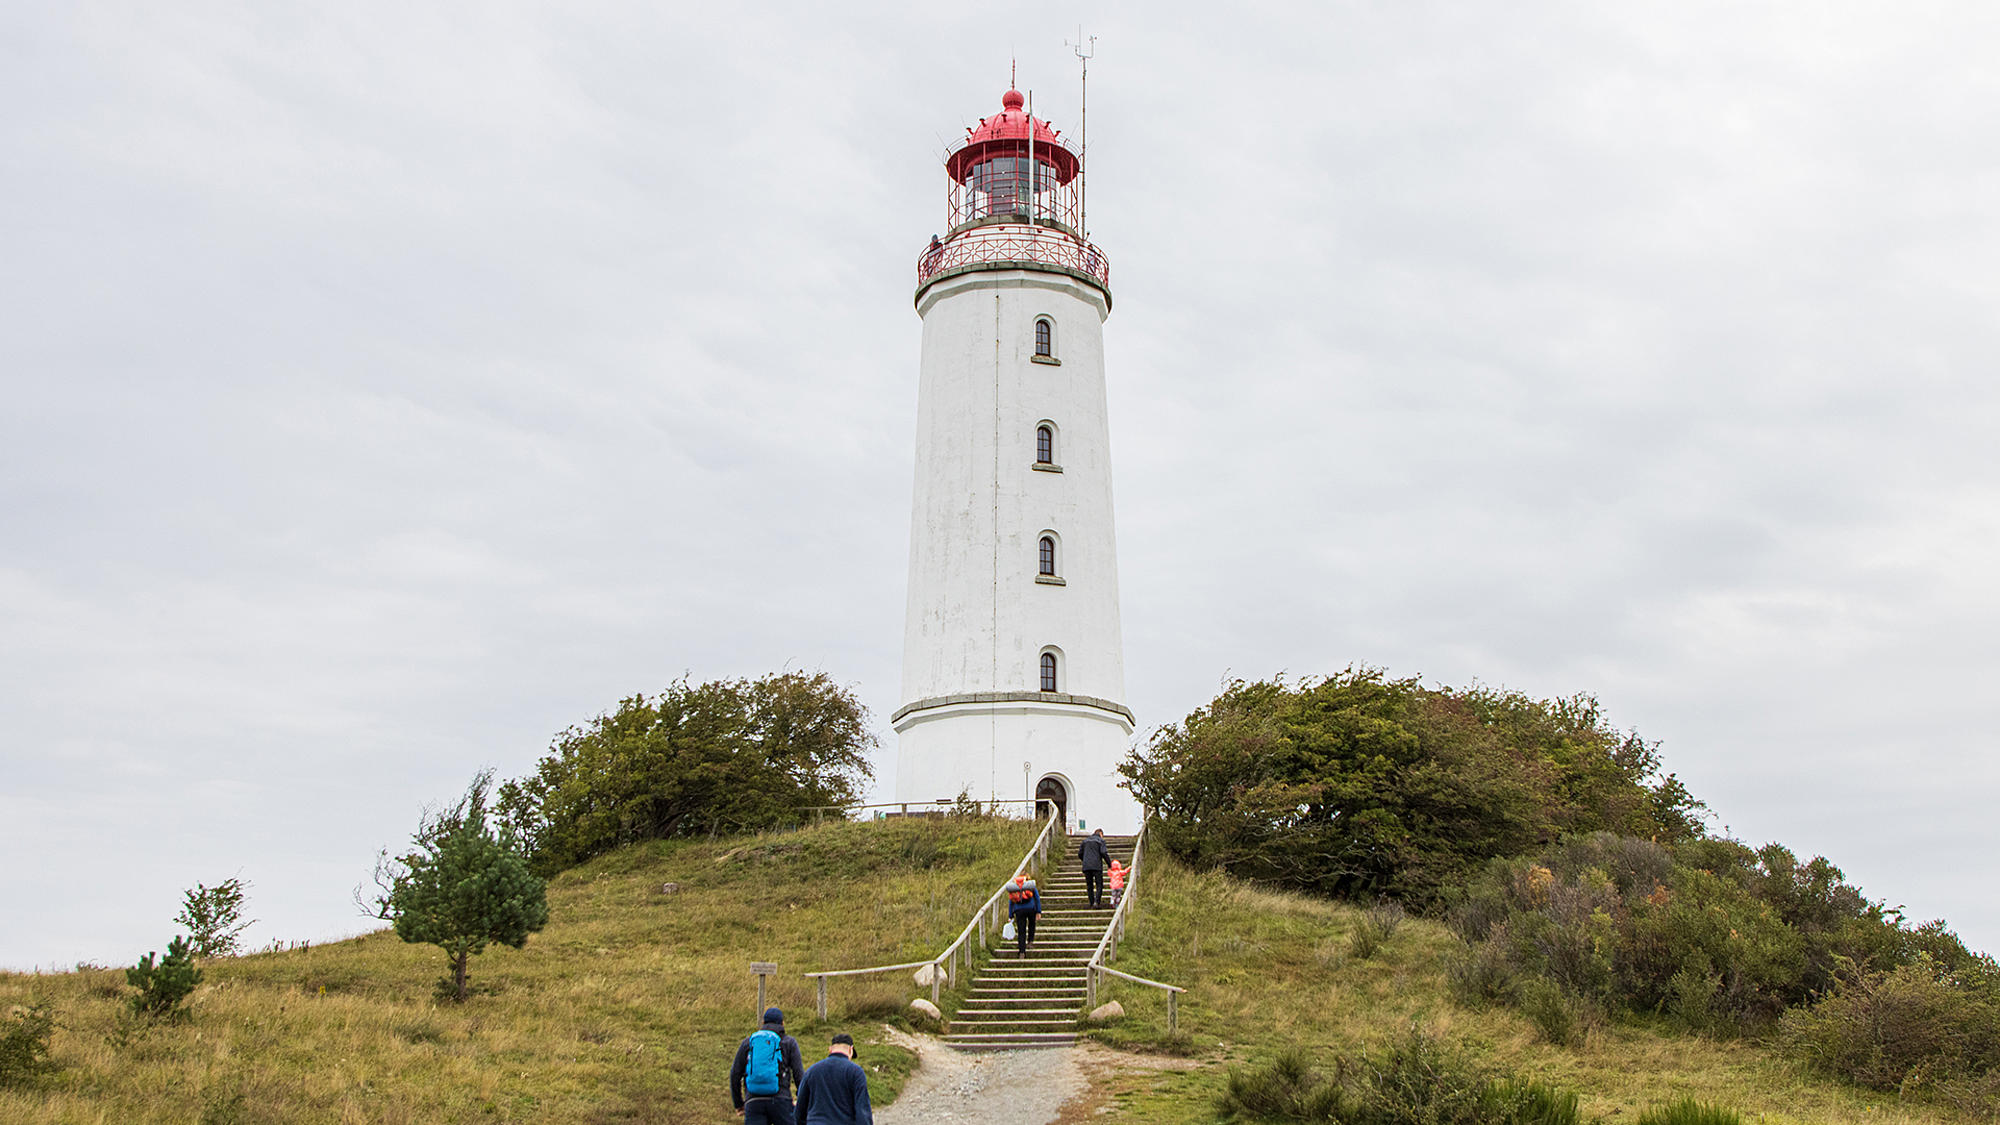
x=1090, y=977
x=822, y=999
x=1173, y=1012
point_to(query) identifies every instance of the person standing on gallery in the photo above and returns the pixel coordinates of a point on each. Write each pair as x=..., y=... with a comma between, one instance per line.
x=1094, y=855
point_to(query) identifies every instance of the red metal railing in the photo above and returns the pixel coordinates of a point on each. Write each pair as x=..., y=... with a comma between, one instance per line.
x=1009, y=243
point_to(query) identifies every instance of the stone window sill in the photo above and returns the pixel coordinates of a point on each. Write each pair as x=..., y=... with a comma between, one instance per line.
x=1049, y=580
x=1043, y=467
x=1048, y=359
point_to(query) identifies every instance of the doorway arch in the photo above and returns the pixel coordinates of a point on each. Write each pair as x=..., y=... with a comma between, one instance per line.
x=1054, y=788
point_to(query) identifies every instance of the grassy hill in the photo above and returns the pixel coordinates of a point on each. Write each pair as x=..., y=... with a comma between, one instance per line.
x=1269, y=971
x=627, y=1008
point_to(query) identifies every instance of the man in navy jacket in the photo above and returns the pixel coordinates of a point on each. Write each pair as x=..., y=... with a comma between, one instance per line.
x=835, y=1091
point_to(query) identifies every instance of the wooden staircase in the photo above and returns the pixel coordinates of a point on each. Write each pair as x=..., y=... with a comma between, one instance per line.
x=1036, y=1001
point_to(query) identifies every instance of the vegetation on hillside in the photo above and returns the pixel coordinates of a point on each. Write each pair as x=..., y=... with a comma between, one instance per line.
x=1355, y=785
x=463, y=886
x=721, y=757
x=1273, y=972
x=1575, y=871
x=625, y=1010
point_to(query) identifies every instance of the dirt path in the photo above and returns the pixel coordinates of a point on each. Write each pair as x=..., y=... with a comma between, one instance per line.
x=996, y=1088
x=1009, y=1087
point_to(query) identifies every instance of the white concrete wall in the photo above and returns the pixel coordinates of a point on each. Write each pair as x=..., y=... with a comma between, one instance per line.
x=977, y=618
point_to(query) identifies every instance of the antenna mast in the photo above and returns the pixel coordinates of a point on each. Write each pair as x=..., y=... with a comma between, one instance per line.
x=1086, y=49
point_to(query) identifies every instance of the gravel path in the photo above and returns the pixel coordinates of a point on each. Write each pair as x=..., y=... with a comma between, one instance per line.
x=997, y=1088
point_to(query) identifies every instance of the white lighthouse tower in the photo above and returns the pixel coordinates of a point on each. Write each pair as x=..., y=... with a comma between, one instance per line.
x=1013, y=664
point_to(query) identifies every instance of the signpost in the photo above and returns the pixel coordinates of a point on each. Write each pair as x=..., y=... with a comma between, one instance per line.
x=765, y=970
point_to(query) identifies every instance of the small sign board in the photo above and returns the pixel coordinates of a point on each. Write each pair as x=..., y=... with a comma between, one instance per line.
x=764, y=968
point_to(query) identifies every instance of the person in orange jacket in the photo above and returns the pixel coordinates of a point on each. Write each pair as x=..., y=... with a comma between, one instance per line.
x=1117, y=882
x=1024, y=905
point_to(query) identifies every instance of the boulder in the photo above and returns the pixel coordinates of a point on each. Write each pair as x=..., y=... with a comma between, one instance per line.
x=926, y=975
x=1104, y=1013
x=926, y=1009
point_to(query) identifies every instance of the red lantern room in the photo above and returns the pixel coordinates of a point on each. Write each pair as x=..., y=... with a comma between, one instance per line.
x=1015, y=201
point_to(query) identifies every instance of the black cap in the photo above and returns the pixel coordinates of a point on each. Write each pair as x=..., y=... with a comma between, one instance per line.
x=843, y=1037
x=773, y=1015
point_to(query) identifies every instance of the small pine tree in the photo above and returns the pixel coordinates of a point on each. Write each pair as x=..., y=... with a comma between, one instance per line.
x=464, y=886
x=24, y=1044
x=162, y=987
x=214, y=917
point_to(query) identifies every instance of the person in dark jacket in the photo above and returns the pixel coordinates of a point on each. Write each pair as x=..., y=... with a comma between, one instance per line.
x=1024, y=906
x=769, y=1109
x=835, y=1091
x=1094, y=855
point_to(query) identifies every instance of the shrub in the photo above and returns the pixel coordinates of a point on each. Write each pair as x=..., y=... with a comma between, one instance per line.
x=1374, y=929
x=1416, y=1081
x=1285, y=1089
x=1483, y=974
x=162, y=987
x=214, y=917
x=1535, y=1103
x=1687, y=1111
x=1357, y=786
x=725, y=756
x=24, y=1044
x=1559, y=1018
x=1909, y=1026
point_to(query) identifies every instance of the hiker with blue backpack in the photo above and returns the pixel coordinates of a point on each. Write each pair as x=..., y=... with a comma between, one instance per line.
x=767, y=1069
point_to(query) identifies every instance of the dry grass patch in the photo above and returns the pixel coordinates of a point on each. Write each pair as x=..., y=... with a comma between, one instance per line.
x=626, y=1009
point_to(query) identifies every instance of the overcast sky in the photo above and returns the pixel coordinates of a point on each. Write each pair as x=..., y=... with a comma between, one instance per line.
x=390, y=387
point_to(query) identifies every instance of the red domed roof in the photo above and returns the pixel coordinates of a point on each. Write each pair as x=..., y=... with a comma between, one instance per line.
x=1006, y=134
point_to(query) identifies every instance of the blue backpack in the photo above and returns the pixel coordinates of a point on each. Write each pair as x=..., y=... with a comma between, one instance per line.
x=766, y=1054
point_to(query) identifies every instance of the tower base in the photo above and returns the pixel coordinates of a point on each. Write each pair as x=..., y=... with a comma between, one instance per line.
x=1018, y=746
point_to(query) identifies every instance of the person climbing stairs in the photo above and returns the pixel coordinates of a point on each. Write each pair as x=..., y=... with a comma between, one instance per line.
x=1037, y=1000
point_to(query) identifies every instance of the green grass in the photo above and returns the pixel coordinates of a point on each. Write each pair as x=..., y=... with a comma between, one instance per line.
x=627, y=1008
x=1267, y=972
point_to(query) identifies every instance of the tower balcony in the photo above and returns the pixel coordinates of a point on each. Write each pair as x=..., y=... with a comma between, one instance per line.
x=1014, y=245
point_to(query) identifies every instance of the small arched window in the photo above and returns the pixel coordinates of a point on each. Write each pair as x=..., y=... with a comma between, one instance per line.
x=1048, y=551
x=1045, y=446
x=1048, y=671
x=1044, y=337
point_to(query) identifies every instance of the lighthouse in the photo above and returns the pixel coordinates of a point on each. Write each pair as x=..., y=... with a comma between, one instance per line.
x=1013, y=662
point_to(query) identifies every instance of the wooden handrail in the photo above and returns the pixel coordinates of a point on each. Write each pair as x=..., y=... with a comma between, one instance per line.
x=1037, y=852
x=1139, y=980
x=864, y=972
x=1107, y=946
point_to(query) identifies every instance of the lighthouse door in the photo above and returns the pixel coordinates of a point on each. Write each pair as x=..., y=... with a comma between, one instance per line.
x=1051, y=788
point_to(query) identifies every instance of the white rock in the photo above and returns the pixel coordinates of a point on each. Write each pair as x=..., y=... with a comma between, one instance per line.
x=1111, y=1011
x=926, y=975
x=926, y=1009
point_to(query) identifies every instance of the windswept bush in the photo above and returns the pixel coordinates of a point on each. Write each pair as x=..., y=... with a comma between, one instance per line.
x=724, y=756
x=1359, y=786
